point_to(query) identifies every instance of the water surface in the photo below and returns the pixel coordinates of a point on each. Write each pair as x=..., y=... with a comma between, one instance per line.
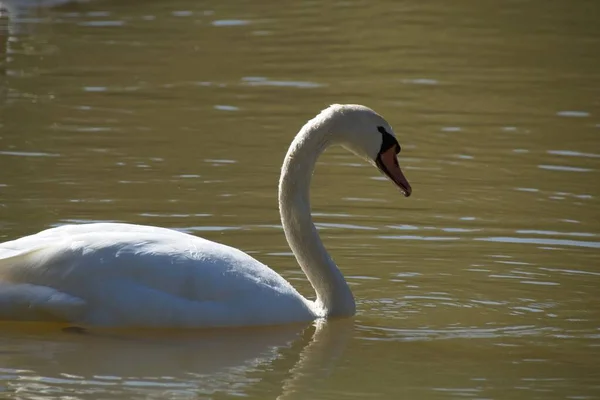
x=483, y=284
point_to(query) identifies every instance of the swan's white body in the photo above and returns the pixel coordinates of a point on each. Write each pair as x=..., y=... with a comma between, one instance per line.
x=121, y=274
x=112, y=274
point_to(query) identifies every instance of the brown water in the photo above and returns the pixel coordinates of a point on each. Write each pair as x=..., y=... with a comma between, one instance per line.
x=484, y=284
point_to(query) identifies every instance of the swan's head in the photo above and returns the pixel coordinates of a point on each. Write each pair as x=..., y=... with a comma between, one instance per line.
x=368, y=135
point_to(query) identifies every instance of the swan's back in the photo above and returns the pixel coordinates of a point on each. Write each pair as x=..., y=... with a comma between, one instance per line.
x=141, y=275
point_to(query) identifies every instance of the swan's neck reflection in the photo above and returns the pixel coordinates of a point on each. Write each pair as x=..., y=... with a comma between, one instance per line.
x=318, y=358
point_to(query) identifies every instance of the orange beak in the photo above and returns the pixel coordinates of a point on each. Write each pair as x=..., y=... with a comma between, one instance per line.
x=387, y=162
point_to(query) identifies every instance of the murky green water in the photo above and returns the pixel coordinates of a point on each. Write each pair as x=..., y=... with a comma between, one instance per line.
x=484, y=284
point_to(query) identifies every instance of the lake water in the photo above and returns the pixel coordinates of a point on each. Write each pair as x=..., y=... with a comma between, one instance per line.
x=485, y=284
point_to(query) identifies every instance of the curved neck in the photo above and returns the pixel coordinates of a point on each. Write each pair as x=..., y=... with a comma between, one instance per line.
x=333, y=294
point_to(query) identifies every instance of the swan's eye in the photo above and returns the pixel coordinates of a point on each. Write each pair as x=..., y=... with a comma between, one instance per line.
x=388, y=141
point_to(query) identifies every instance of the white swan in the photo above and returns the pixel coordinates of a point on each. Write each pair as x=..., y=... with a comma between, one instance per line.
x=111, y=274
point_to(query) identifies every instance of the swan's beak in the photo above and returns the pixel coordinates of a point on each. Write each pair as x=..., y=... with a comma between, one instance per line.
x=387, y=162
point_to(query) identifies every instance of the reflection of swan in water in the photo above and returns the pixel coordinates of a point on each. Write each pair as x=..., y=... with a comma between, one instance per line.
x=130, y=275
x=317, y=360
x=238, y=361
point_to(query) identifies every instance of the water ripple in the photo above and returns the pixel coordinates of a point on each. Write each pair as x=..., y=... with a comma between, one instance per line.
x=540, y=241
x=28, y=154
x=415, y=237
x=102, y=23
x=183, y=13
x=261, y=81
x=570, y=153
x=564, y=168
x=230, y=22
x=540, y=232
x=384, y=333
x=421, y=81
x=224, y=107
x=575, y=114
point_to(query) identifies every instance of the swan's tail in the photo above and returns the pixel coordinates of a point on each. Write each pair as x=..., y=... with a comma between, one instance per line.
x=26, y=302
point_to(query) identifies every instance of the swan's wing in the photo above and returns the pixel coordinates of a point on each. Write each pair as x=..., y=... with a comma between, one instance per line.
x=162, y=259
x=146, y=276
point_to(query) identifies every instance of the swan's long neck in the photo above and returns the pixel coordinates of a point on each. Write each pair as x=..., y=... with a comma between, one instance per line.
x=334, y=297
